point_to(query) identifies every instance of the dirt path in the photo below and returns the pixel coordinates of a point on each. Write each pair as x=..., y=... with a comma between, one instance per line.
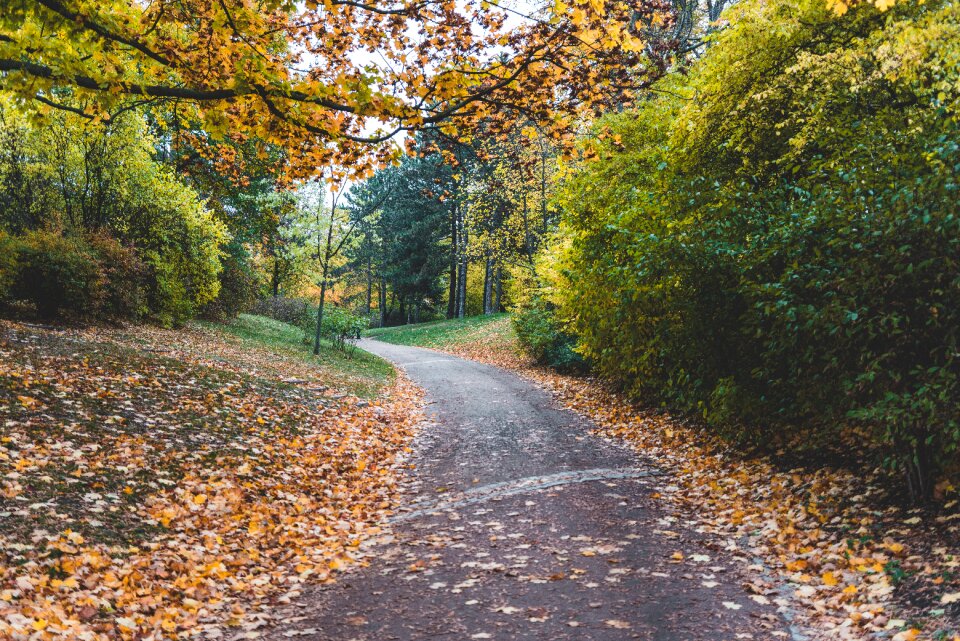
x=521, y=525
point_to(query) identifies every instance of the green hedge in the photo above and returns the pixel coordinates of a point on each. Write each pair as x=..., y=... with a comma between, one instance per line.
x=541, y=335
x=781, y=256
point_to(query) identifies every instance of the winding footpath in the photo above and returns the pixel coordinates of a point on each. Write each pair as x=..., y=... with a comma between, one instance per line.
x=519, y=524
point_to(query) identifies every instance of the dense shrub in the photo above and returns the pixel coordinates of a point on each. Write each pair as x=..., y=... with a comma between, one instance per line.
x=75, y=278
x=339, y=326
x=294, y=311
x=61, y=276
x=123, y=279
x=540, y=334
x=58, y=276
x=238, y=286
x=9, y=252
x=784, y=252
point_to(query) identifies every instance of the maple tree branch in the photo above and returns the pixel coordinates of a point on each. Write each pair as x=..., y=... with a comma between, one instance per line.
x=379, y=10
x=238, y=34
x=83, y=114
x=63, y=107
x=100, y=30
x=166, y=91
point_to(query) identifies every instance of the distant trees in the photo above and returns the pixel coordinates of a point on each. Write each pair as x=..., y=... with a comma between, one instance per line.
x=402, y=219
x=461, y=220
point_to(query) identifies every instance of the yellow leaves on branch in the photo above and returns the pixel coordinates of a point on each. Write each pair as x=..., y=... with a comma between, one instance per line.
x=841, y=7
x=289, y=74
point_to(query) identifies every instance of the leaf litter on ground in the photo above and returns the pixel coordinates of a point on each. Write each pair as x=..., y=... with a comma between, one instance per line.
x=165, y=484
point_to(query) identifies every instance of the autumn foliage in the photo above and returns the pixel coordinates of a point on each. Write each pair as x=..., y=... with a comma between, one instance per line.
x=324, y=80
x=771, y=247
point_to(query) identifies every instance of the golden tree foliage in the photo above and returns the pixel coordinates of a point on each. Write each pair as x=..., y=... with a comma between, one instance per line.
x=324, y=80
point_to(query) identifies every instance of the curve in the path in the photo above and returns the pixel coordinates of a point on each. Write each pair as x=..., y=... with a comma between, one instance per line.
x=522, y=525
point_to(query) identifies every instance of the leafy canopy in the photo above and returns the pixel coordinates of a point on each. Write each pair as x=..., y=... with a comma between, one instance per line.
x=325, y=79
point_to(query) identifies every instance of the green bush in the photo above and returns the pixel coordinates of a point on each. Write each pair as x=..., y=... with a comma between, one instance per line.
x=780, y=256
x=339, y=326
x=9, y=253
x=60, y=275
x=542, y=337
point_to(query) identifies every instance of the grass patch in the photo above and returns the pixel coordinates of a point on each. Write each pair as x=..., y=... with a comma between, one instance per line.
x=447, y=333
x=356, y=372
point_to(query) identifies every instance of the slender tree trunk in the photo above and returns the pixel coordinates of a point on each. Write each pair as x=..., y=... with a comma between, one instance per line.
x=543, y=193
x=527, y=236
x=323, y=293
x=403, y=311
x=454, y=268
x=918, y=467
x=462, y=276
x=369, y=286
x=327, y=255
x=275, y=280
x=498, y=305
x=488, y=287
x=383, y=302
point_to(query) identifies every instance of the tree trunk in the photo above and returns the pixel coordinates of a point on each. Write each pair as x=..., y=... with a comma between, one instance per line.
x=918, y=468
x=403, y=311
x=488, y=287
x=369, y=286
x=454, y=268
x=383, y=302
x=327, y=255
x=275, y=280
x=498, y=305
x=543, y=193
x=462, y=276
x=323, y=293
x=528, y=237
